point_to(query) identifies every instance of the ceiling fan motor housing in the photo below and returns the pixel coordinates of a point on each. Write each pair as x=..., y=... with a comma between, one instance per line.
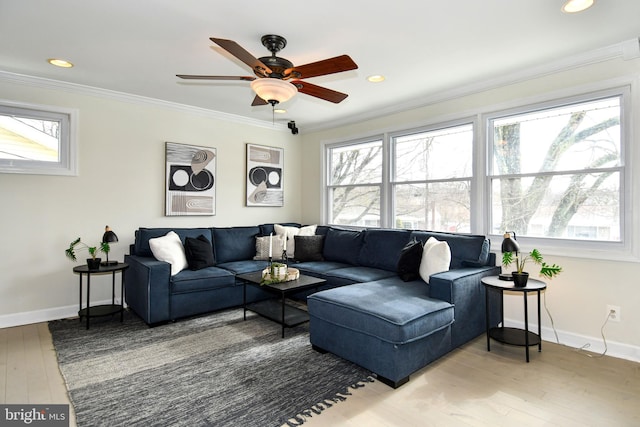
x=278, y=66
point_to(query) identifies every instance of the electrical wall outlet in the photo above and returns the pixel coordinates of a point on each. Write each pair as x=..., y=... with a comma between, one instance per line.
x=614, y=313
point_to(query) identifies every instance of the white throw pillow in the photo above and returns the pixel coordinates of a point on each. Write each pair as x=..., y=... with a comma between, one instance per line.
x=168, y=248
x=262, y=248
x=288, y=234
x=436, y=257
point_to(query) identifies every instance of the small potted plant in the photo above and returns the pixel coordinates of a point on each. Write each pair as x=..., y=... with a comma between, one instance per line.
x=520, y=276
x=93, y=263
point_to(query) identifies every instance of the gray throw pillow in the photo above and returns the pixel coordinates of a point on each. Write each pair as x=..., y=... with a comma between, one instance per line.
x=309, y=248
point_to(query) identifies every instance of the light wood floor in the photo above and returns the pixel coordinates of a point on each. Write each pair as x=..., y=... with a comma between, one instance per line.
x=468, y=387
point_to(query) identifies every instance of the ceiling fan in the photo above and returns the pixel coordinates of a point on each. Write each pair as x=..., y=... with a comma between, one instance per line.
x=277, y=79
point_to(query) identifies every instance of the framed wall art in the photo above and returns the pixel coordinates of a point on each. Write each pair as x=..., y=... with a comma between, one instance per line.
x=190, y=180
x=265, y=186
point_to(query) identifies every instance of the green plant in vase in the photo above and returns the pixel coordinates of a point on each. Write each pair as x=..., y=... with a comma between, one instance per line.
x=276, y=273
x=520, y=276
x=93, y=262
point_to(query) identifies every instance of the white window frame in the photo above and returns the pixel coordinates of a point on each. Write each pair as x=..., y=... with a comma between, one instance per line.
x=68, y=158
x=622, y=250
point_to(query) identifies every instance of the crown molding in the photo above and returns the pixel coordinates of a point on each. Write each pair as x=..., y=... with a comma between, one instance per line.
x=44, y=83
x=627, y=50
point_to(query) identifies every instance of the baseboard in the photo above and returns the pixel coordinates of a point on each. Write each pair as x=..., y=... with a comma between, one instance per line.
x=593, y=345
x=37, y=316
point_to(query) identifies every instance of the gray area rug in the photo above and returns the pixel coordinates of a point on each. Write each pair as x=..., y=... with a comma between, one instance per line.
x=215, y=370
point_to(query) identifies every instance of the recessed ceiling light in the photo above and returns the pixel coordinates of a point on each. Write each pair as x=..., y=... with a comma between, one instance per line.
x=376, y=78
x=60, y=63
x=573, y=6
x=279, y=111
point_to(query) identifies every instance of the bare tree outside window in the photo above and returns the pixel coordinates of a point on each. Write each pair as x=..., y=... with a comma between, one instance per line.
x=355, y=180
x=557, y=172
x=432, y=179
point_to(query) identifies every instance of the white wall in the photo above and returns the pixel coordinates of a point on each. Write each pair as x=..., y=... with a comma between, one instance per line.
x=121, y=184
x=578, y=297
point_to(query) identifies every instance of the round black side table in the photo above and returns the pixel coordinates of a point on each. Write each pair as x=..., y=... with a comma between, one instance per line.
x=106, y=309
x=513, y=336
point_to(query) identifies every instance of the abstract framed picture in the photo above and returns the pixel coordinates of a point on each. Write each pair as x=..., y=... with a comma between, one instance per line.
x=265, y=186
x=190, y=180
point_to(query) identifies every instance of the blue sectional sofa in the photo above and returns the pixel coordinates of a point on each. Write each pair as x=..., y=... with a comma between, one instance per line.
x=365, y=313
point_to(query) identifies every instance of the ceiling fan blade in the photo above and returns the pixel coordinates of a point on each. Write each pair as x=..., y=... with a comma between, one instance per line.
x=190, y=77
x=239, y=52
x=321, y=68
x=258, y=101
x=320, y=92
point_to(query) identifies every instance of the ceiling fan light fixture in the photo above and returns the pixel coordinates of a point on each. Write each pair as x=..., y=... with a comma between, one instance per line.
x=273, y=90
x=574, y=6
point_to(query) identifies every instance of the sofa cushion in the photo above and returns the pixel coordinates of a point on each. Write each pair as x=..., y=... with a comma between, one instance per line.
x=464, y=247
x=241, y=267
x=342, y=245
x=199, y=252
x=319, y=268
x=234, y=243
x=436, y=257
x=409, y=262
x=391, y=310
x=358, y=274
x=381, y=248
x=309, y=248
x=141, y=245
x=168, y=248
x=201, y=280
x=262, y=247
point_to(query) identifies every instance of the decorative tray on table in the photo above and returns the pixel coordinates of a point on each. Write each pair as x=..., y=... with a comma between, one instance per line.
x=277, y=273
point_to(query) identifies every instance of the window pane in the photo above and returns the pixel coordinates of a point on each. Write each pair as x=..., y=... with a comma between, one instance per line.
x=356, y=164
x=440, y=154
x=24, y=138
x=569, y=138
x=575, y=206
x=443, y=206
x=355, y=206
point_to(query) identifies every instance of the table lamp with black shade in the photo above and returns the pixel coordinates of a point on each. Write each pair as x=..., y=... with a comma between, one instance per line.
x=509, y=245
x=108, y=237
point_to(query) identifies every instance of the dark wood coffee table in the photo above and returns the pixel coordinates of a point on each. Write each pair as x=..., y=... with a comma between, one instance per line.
x=277, y=309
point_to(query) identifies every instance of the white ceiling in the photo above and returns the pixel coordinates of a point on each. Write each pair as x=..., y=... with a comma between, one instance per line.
x=424, y=48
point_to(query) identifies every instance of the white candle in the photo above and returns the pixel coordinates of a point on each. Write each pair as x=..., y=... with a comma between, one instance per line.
x=270, y=245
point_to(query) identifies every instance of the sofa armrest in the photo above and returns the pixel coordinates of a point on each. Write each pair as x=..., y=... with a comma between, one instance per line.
x=462, y=288
x=454, y=284
x=147, y=287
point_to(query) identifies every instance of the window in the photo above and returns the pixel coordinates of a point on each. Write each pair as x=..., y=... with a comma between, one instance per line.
x=558, y=172
x=354, y=183
x=36, y=140
x=432, y=172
